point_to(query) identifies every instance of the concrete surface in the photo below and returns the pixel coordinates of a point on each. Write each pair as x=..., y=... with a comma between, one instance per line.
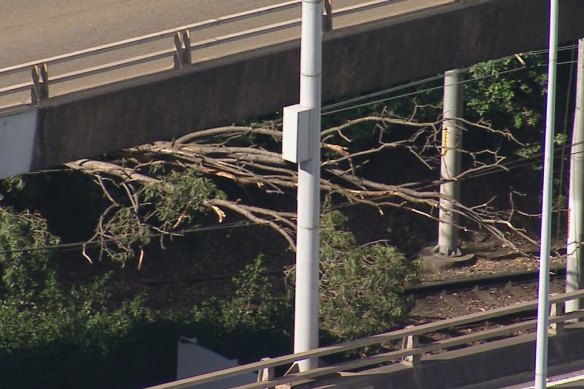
x=57, y=27
x=17, y=133
x=33, y=29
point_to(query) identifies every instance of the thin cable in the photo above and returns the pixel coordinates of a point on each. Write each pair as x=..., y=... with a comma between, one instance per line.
x=327, y=109
x=78, y=245
x=440, y=87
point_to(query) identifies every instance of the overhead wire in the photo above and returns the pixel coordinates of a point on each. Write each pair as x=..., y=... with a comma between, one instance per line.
x=329, y=109
x=78, y=245
x=431, y=89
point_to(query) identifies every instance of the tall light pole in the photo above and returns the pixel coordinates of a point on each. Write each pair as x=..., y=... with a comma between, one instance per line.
x=575, y=254
x=301, y=143
x=544, y=253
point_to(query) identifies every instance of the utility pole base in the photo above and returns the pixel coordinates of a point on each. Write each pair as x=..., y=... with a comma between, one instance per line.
x=434, y=262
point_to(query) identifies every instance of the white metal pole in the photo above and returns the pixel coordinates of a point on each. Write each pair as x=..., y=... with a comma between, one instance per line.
x=575, y=256
x=544, y=253
x=307, y=254
x=450, y=163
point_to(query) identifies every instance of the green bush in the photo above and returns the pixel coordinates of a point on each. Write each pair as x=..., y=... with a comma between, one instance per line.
x=83, y=338
x=24, y=258
x=73, y=339
x=56, y=338
x=52, y=337
x=361, y=286
x=252, y=324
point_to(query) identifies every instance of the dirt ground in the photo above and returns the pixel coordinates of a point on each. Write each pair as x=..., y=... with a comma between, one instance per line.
x=491, y=257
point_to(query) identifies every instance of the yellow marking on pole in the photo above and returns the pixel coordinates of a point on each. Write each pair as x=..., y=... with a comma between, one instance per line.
x=444, y=141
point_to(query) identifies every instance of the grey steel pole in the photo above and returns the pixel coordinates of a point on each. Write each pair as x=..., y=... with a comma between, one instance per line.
x=575, y=256
x=307, y=251
x=450, y=163
x=544, y=253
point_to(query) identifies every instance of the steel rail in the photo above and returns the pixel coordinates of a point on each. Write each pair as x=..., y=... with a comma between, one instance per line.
x=75, y=75
x=360, y=7
x=169, y=52
x=469, y=283
x=15, y=88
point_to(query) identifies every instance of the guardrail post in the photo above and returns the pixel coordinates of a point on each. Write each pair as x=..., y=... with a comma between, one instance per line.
x=178, y=55
x=557, y=309
x=40, y=83
x=182, y=45
x=327, y=24
x=266, y=374
x=411, y=342
x=187, y=59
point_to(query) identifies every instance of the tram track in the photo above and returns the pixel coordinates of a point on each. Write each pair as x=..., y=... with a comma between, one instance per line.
x=473, y=294
x=469, y=283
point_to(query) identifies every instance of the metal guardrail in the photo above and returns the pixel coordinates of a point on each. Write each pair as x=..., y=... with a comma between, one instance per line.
x=411, y=351
x=180, y=52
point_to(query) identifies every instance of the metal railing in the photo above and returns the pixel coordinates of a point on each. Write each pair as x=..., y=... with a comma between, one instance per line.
x=411, y=351
x=180, y=51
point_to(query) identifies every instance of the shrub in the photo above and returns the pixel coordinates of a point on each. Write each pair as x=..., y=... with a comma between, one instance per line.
x=361, y=286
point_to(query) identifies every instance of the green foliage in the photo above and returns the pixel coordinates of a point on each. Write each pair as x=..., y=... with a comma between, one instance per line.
x=165, y=206
x=24, y=255
x=508, y=93
x=10, y=185
x=56, y=338
x=72, y=339
x=530, y=150
x=254, y=320
x=361, y=286
x=126, y=232
x=83, y=338
x=180, y=196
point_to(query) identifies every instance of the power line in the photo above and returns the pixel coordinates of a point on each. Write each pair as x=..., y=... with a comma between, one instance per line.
x=330, y=109
x=78, y=245
x=439, y=87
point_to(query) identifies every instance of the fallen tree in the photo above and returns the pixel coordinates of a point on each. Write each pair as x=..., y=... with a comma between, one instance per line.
x=158, y=188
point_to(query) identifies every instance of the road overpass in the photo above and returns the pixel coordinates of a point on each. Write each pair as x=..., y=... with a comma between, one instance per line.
x=406, y=40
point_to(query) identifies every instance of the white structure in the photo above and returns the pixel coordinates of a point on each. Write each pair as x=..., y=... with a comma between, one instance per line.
x=575, y=254
x=193, y=359
x=301, y=120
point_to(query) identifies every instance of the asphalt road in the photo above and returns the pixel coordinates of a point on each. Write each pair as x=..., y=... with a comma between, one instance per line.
x=31, y=30
x=34, y=29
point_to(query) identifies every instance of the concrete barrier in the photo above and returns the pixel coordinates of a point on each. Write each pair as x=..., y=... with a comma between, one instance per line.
x=17, y=135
